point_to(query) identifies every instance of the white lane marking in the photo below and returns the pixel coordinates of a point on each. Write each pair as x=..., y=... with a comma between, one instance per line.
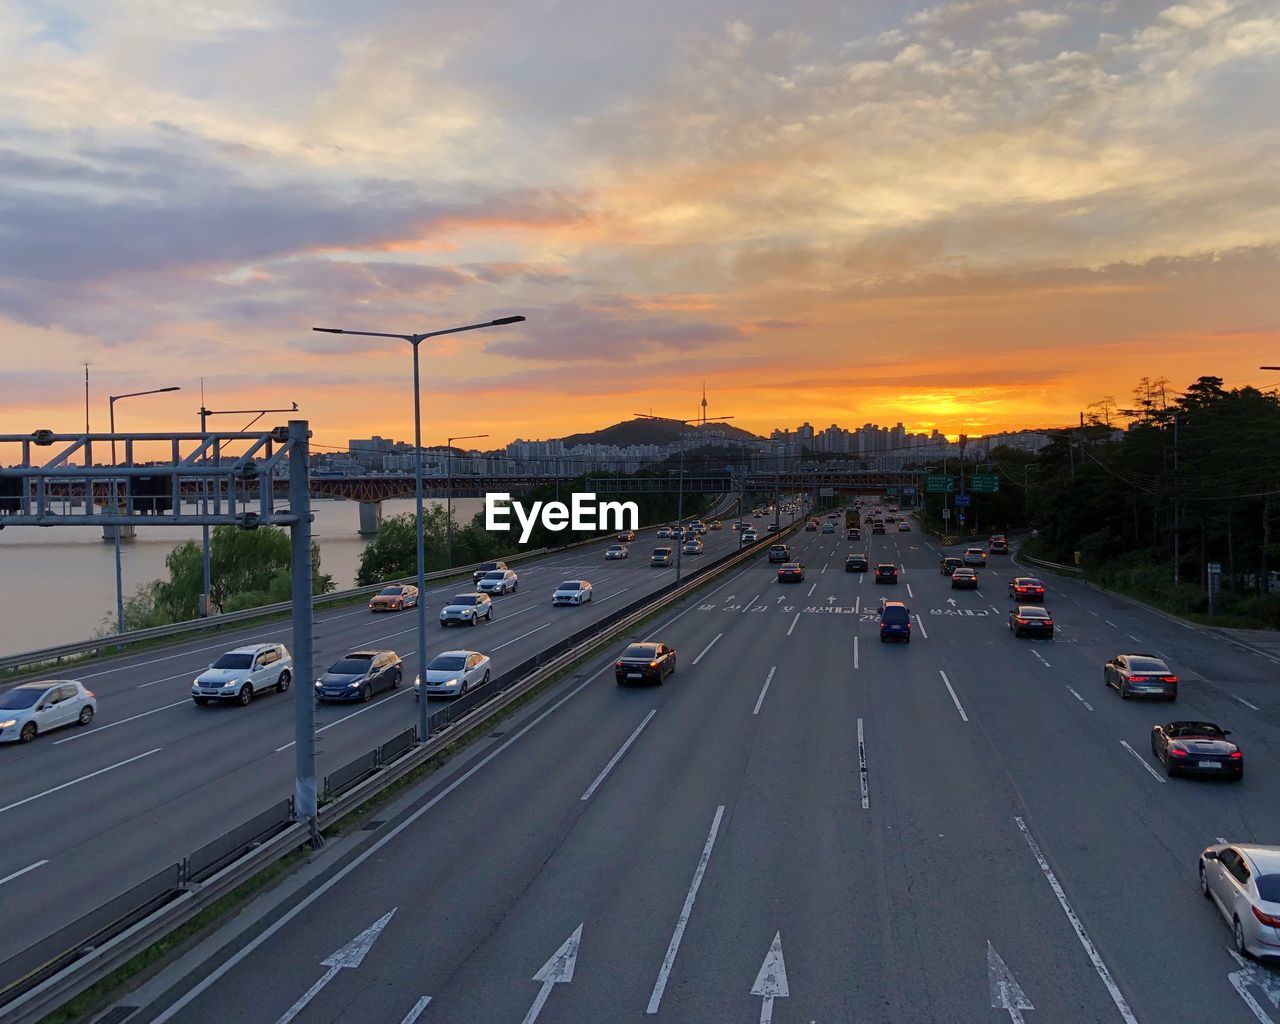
x=521, y=636
x=168, y=679
x=793, y=623
x=669, y=960
x=771, y=980
x=707, y=648
x=923, y=632
x=618, y=756
x=602, y=601
x=1080, y=699
x=23, y=871
x=1133, y=638
x=824, y=567
x=994, y=608
x=811, y=590
x=1041, y=657
x=857, y=605
x=1246, y=703
x=1221, y=840
x=1098, y=965
x=346, y=718
x=219, y=972
x=83, y=778
x=747, y=607
x=1249, y=973
x=694, y=605
x=416, y=1012
x=350, y=957
x=1110, y=623
x=764, y=689
x=909, y=593
x=954, y=699
x=855, y=652
x=556, y=971
x=112, y=725
x=862, y=766
x=1143, y=761
x=1092, y=612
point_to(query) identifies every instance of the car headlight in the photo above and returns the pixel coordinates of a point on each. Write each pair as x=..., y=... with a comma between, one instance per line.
x=8, y=723
x=354, y=686
x=319, y=683
x=450, y=682
x=195, y=682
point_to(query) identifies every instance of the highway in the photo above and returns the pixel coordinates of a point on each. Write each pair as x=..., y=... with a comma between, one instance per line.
x=802, y=825
x=87, y=813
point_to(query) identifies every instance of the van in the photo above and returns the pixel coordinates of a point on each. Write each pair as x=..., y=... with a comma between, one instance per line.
x=661, y=557
x=895, y=622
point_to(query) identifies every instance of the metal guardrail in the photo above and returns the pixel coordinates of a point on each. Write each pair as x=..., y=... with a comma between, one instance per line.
x=61, y=966
x=1069, y=570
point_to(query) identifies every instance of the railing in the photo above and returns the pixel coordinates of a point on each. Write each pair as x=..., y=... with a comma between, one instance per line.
x=1069, y=570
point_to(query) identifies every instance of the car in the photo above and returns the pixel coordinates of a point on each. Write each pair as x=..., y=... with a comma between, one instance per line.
x=664, y=533
x=627, y=536
x=949, y=565
x=648, y=662
x=779, y=553
x=757, y=515
x=828, y=527
x=975, y=556
x=886, y=572
x=1025, y=589
x=1243, y=882
x=999, y=547
x=500, y=581
x=855, y=562
x=750, y=536
x=698, y=527
x=791, y=572
x=29, y=709
x=663, y=557
x=811, y=526
x=772, y=528
x=833, y=515
x=486, y=567
x=394, y=598
x=693, y=546
x=241, y=674
x=1140, y=675
x=739, y=525
x=853, y=533
x=895, y=621
x=964, y=579
x=615, y=551
x=359, y=675
x=468, y=609
x=1197, y=748
x=715, y=524
x=877, y=529
x=453, y=673
x=904, y=526
x=999, y=538
x=1033, y=620
x=572, y=592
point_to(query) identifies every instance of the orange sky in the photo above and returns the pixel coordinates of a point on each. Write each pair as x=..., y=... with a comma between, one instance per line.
x=973, y=216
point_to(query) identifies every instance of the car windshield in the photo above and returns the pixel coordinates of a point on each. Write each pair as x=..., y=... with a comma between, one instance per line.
x=895, y=615
x=465, y=599
x=487, y=566
x=234, y=661
x=497, y=574
x=661, y=552
x=446, y=663
x=1147, y=665
x=351, y=666
x=885, y=569
x=21, y=697
x=974, y=551
x=570, y=585
x=1032, y=613
x=1268, y=888
x=1205, y=729
x=1030, y=583
x=644, y=651
x=391, y=591
x=964, y=574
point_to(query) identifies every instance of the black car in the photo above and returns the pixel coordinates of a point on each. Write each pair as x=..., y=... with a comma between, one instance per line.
x=949, y=565
x=886, y=572
x=1197, y=748
x=487, y=567
x=853, y=533
x=648, y=662
x=1032, y=620
x=359, y=675
x=1140, y=675
x=856, y=563
x=964, y=579
x=877, y=528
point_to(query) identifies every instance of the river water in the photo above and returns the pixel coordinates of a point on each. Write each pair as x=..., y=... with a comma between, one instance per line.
x=58, y=584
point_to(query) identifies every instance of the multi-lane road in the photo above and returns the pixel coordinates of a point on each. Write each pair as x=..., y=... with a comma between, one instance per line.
x=87, y=813
x=803, y=825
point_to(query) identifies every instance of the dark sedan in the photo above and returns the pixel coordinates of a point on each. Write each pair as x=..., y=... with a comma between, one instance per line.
x=964, y=579
x=791, y=572
x=949, y=565
x=360, y=675
x=886, y=572
x=1031, y=620
x=1140, y=675
x=877, y=528
x=856, y=563
x=1197, y=748
x=645, y=663
x=1024, y=589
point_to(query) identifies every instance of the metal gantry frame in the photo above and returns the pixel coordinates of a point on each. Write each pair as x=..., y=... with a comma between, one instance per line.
x=197, y=463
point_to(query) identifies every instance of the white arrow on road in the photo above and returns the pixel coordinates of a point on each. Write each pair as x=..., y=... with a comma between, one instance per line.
x=951, y=600
x=351, y=955
x=1006, y=993
x=557, y=970
x=830, y=600
x=771, y=982
x=1249, y=974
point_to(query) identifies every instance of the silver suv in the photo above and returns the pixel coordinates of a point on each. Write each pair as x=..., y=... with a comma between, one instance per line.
x=240, y=674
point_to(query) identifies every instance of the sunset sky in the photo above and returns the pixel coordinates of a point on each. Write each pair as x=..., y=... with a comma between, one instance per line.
x=973, y=216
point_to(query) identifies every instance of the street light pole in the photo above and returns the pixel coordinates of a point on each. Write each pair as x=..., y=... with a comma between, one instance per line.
x=111, y=410
x=448, y=523
x=415, y=340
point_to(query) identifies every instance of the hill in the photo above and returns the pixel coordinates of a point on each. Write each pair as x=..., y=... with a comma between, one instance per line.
x=640, y=431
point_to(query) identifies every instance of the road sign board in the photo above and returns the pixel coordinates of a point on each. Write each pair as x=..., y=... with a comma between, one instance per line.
x=907, y=492
x=826, y=492
x=890, y=491
x=984, y=483
x=946, y=513
x=939, y=483
x=962, y=500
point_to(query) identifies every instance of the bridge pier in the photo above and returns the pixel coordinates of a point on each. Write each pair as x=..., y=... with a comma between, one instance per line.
x=126, y=533
x=370, y=518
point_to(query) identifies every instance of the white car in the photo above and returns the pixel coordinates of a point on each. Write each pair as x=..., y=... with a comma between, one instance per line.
x=698, y=527
x=453, y=673
x=32, y=708
x=241, y=674
x=665, y=533
x=975, y=556
x=693, y=546
x=749, y=536
x=616, y=551
x=572, y=592
x=828, y=527
x=1243, y=881
x=467, y=609
x=500, y=581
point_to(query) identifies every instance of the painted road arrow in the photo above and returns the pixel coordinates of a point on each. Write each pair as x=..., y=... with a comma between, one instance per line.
x=556, y=971
x=351, y=956
x=1006, y=993
x=1250, y=974
x=951, y=601
x=771, y=982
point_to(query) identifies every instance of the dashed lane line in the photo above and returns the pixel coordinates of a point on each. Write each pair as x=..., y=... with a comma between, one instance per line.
x=1142, y=761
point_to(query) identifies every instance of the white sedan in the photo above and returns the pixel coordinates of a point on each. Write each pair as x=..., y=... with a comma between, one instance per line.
x=665, y=533
x=616, y=551
x=572, y=592
x=32, y=708
x=453, y=673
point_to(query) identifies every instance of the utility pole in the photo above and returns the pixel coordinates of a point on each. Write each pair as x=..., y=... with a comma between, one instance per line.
x=304, y=698
x=1175, y=499
x=86, y=397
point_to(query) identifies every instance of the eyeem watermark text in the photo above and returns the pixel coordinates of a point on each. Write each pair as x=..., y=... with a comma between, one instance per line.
x=584, y=512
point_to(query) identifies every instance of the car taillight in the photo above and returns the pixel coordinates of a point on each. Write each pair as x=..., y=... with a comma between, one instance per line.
x=617, y=664
x=1270, y=920
x=88, y=693
x=1236, y=755
x=1137, y=679
x=1177, y=751
x=1047, y=622
x=1168, y=679
x=1023, y=622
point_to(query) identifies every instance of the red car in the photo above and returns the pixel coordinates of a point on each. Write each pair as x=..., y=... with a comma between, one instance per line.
x=792, y=572
x=811, y=526
x=1024, y=589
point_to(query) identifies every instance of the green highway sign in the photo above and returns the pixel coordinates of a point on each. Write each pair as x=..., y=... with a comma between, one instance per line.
x=938, y=483
x=984, y=483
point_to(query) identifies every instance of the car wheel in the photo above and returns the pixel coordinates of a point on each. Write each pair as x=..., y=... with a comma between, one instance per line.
x=245, y=695
x=1237, y=934
x=488, y=615
x=366, y=694
x=1204, y=883
x=28, y=732
x=397, y=679
x=1124, y=690
x=474, y=620
x=202, y=701
x=1240, y=775
x=86, y=714
x=282, y=683
x=485, y=680
x=1169, y=769
x=465, y=687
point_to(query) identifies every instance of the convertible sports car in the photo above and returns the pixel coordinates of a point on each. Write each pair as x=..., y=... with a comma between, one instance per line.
x=1197, y=748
